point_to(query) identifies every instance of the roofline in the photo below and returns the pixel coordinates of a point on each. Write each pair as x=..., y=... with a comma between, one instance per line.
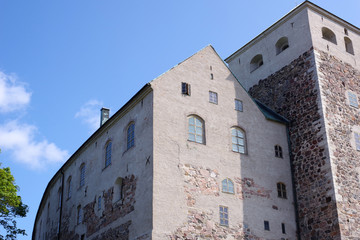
x=290, y=14
x=144, y=91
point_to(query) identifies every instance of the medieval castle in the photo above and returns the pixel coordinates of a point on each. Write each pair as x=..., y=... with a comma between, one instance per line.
x=264, y=146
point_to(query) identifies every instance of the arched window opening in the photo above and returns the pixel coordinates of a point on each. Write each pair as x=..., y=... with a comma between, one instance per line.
x=119, y=189
x=256, y=62
x=329, y=35
x=281, y=188
x=82, y=175
x=278, y=151
x=131, y=136
x=108, y=154
x=196, y=129
x=227, y=186
x=348, y=45
x=281, y=45
x=238, y=140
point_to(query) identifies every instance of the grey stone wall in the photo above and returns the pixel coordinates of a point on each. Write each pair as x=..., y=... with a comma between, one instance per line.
x=293, y=92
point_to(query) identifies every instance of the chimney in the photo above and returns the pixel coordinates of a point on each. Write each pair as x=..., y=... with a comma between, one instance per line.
x=104, y=115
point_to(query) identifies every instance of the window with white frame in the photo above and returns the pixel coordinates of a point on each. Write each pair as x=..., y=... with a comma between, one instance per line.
x=196, y=129
x=213, y=97
x=108, y=154
x=227, y=186
x=224, y=215
x=357, y=141
x=353, y=99
x=82, y=175
x=238, y=105
x=281, y=189
x=238, y=140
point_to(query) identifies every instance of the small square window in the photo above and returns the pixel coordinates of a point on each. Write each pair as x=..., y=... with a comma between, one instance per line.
x=266, y=225
x=185, y=88
x=224, y=216
x=353, y=100
x=213, y=98
x=357, y=141
x=238, y=105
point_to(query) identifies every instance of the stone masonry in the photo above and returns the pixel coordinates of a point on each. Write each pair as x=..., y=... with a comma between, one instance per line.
x=294, y=93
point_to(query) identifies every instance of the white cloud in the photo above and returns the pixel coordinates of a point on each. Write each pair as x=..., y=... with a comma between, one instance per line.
x=20, y=140
x=89, y=114
x=13, y=95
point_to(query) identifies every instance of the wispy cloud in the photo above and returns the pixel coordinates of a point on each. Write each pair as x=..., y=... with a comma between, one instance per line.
x=13, y=95
x=89, y=114
x=21, y=139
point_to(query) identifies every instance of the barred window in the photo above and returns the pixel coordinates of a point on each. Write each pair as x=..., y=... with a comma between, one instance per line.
x=227, y=186
x=224, y=216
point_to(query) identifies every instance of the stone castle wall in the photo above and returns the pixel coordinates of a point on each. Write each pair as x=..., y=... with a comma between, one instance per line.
x=294, y=93
x=336, y=78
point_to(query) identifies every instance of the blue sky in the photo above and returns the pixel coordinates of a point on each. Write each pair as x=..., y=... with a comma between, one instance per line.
x=61, y=61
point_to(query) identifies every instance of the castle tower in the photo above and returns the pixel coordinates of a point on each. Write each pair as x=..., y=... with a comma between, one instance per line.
x=306, y=68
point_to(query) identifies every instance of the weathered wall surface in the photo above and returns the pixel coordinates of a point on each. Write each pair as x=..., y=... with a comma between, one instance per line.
x=337, y=78
x=294, y=93
x=127, y=218
x=188, y=175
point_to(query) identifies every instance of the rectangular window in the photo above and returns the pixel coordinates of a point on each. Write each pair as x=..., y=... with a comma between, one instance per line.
x=224, y=216
x=283, y=228
x=267, y=225
x=185, y=88
x=79, y=215
x=353, y=101
x=82, y=175
x=357, y=141
x=238, y=105
x=213, y=97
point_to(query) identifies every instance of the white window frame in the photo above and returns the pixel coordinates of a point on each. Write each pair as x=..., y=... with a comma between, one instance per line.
x=224, y=215
x=227, y=186
x=196, y=129
x=238, y=140
x=213, y=97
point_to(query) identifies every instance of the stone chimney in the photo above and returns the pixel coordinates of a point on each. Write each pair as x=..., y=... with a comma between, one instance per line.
x=104, y=115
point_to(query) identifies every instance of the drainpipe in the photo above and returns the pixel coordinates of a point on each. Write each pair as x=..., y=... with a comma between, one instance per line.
x=62, y=203
x=293, y=183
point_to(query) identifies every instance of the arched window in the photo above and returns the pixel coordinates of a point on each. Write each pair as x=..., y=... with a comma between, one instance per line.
x=108, y=154
x=82, y=175
x=256, y=62
x=281, y=188
x=227, y=186
x=131, y=136
x=278, y=151
x=328, y=35
x=281, y=45
x=69, y=187
x=238, y=140
x=348, y=45
x=196, y=129
x=119, y=189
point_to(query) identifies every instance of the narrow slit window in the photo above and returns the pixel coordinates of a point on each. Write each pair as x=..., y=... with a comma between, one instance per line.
x=69, y=188
x=79, y=215
x=99, y=203
x=82, y=175
x=131, y=136
x=108, y=154
x=283, y=230
x=357, y=141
